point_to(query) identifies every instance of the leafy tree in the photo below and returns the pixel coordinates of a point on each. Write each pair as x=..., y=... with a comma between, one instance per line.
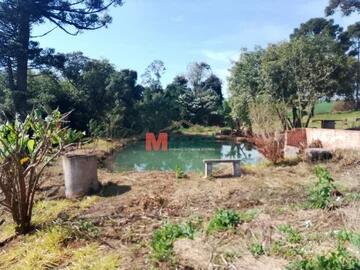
x=197, y=74
x=323, y=27
x=346, y=6
x=215, y=84
x=152, y=76
x=353, y=33
x=17, y=18
x=245, y=83
x=303, y=71
x=317, y=26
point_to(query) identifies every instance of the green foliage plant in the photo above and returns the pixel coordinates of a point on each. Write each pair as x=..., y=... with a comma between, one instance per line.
x=340, y=259
x=163, y=239
x=223, y=220
x=321, y=194
x=26, y=148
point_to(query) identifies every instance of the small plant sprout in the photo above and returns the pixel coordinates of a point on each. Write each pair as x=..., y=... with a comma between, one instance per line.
x=257, y=249
x=179, y=173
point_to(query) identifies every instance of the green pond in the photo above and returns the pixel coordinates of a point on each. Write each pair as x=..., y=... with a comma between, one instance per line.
x=186, y=151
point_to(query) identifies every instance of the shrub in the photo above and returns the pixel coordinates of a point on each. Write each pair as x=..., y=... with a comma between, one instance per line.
x=321, y=194
x=340, y=259
x=26, y=148
x=224, y=219
x=163, y=239
x=270, y=145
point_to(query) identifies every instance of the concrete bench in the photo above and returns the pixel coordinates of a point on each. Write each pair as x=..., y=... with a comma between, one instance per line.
x=209, y=164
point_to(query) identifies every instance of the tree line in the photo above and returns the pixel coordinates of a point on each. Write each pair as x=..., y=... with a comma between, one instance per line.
x=320, y=61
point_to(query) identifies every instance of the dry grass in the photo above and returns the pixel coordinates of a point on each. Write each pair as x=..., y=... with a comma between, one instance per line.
x=137, y=203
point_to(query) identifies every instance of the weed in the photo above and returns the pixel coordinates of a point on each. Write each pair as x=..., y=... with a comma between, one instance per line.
x=321, y=194
x=257, y=249
x=222, y=220
x=348, y=236
x=339, y=259
x=249, y=215
x=79, y=229
x=179, y=173
x=292, y=235
x=284, y=250
x=164, y=238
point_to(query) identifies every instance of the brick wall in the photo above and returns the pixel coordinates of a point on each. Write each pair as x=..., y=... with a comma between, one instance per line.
x=296, y=137
x=330, y=138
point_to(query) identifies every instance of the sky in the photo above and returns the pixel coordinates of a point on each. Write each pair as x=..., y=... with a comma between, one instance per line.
x=180, y=32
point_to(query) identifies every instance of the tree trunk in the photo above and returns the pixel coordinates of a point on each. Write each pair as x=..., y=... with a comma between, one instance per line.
x=357, y=91
x=296, y=118
x=22, y=60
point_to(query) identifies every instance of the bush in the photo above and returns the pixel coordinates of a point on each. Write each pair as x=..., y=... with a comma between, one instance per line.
x=321, y=195
x=271, y=146
x=26, y=148
x=336, y=260
x=223, y=220
x=163, y=239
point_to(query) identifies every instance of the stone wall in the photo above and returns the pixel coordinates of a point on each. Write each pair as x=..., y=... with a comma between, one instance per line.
x=330, y=138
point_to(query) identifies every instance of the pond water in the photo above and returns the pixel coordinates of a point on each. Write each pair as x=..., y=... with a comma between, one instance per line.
x=186, y=151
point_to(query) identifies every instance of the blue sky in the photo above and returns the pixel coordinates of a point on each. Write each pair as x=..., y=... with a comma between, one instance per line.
x=179, y=32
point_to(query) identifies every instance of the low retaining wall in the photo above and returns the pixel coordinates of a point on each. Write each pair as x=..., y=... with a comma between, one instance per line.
x=330, y=138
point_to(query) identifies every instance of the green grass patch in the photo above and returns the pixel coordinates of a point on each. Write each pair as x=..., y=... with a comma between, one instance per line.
x=163, y=239
x=224, y=220
x=324, y=107
x=200, y=130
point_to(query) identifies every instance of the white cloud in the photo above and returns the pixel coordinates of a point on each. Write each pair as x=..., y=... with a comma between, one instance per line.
x=220, y=56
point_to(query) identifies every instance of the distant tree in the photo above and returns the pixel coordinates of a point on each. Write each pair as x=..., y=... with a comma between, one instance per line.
x=245, y=83
x=214, y=83
x=152, y=76
x=17, y=18
x=346, y=6
x=318, y=26
x=197, y=74
x=353, y=34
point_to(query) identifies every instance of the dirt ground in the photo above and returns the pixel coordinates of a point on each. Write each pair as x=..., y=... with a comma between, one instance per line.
x=132, y=205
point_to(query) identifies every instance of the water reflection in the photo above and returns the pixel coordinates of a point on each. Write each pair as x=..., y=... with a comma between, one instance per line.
x=187, y=152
